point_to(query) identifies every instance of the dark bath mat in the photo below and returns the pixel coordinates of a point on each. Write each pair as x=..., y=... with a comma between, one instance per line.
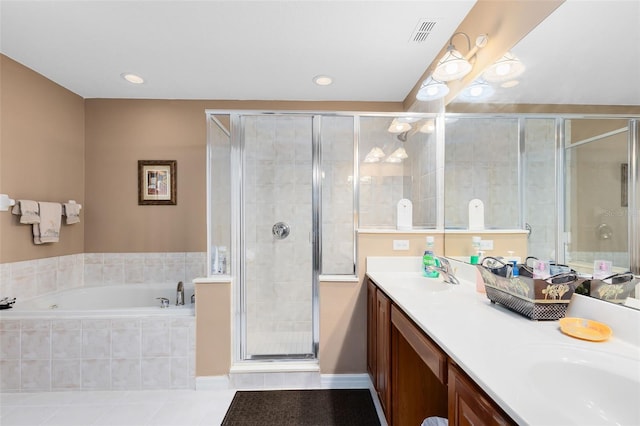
x=323, y=407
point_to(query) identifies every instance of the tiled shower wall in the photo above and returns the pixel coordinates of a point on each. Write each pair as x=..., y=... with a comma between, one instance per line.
x=383, y=184
x=481, y=157
x=420, y=180
x=278, y=184
x=337, y=195
x=540, y=189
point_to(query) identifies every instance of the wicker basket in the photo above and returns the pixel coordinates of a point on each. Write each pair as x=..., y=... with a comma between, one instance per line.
x=535, y=299
x=615, y=288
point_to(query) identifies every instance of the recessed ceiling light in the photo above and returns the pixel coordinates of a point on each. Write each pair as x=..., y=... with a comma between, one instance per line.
x=132, y=78
x=322, y=80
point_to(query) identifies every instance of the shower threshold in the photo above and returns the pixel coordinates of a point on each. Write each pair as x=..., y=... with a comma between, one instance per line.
x=275, y=366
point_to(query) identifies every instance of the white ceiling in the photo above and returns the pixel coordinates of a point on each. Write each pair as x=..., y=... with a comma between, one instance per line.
x=271, y=50
x=569, y=56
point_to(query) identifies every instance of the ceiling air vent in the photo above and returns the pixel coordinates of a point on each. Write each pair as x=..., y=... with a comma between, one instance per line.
x=422, y=31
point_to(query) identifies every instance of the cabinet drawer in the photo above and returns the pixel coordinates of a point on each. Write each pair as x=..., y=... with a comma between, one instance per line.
x=430, y=354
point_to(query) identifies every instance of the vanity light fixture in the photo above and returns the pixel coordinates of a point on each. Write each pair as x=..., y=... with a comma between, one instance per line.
x=132, y=78
x=322, y=80
x=506, y=68
x=400, y=153
x=407, y=119
x=476, y=91
x=374, y=155
x=397, y=126
x=432, y=89
x=428, y=127
x=453, y=65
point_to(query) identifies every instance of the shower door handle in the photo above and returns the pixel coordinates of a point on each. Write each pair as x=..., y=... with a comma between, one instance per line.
x=280, y=230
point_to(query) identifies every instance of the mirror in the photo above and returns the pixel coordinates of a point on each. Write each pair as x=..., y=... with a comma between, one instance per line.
x=590, y=221
x=509, y=164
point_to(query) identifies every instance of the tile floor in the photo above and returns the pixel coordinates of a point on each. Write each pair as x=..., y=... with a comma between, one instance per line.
x=115, y=408
x=119, y=408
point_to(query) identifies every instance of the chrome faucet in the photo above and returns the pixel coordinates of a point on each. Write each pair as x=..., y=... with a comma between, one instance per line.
x=180, y=294
x=445, y=270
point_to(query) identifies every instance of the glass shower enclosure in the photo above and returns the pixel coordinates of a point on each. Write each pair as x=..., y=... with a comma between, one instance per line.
x=263, y=229
x=283, y=185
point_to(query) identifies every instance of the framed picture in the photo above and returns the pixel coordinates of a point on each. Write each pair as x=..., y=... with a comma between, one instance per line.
x=157, y=182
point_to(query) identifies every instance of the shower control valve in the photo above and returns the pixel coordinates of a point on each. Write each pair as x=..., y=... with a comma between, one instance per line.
x=280, y=230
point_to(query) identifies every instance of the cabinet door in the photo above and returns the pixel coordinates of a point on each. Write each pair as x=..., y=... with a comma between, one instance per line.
x=371, y=331
x=469, y=405
x=418, y=373
x=383, y=351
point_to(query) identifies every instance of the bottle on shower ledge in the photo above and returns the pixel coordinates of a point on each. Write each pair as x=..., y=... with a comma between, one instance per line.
x=222, y=260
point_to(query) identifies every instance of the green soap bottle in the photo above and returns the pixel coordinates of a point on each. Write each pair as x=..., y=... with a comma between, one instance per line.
x=429, y=259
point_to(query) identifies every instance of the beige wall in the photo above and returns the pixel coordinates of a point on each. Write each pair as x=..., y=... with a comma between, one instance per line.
x=41, y=157
x=343, y=326
x=120, y=132
x=49, y=136
x=459, y=244
x=213, y=329
x=343, y=305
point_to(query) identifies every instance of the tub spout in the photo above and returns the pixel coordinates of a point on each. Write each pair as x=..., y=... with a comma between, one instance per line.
x=180, y=294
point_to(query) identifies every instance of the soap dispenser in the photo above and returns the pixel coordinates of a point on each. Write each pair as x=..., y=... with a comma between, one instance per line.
x=429, y=259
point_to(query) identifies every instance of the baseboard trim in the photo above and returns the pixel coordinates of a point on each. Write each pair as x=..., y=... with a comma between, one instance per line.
x=345, y=381
x=212, y=383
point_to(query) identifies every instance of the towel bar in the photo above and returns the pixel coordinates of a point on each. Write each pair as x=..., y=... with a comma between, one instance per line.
x=6, y=202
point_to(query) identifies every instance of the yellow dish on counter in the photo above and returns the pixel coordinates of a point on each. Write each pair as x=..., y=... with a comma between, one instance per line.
x=585, y=329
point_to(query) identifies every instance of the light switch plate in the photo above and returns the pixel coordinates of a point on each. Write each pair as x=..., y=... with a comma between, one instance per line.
x=401, y=244
x=486, y=244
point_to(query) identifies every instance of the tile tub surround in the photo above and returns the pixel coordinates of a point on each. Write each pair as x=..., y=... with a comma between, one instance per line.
x=31, y=278
x=127, y=353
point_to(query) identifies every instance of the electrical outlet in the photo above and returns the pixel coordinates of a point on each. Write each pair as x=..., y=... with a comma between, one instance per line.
x=486, y=244
x=401, y=244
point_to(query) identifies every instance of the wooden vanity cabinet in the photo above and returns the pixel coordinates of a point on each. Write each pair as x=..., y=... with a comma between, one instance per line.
x=371, y=331
x=379, y=344
x=419, y=373
x=469, y=405
x=414, y=378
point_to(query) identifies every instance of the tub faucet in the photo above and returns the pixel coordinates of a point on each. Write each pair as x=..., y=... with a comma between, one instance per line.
x=180, y=294
x=445, y=270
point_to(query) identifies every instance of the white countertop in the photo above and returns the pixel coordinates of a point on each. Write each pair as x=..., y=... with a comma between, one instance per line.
x=508, y=355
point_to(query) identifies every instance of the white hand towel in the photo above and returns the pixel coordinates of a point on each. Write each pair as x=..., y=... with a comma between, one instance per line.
x=48, y=231
x=72, y=211
x=27, y=210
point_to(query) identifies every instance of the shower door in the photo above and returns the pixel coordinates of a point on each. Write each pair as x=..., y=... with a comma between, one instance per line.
x=596, y=200
x=278, y=280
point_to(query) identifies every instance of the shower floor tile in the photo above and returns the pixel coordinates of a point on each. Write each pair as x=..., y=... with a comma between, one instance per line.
x=279, y=343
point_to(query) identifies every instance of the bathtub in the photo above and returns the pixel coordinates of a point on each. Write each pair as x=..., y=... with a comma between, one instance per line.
x=99, y=338
x=110, y=300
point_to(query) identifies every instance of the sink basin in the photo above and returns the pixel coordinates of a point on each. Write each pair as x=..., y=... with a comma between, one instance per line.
x=585, y=386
